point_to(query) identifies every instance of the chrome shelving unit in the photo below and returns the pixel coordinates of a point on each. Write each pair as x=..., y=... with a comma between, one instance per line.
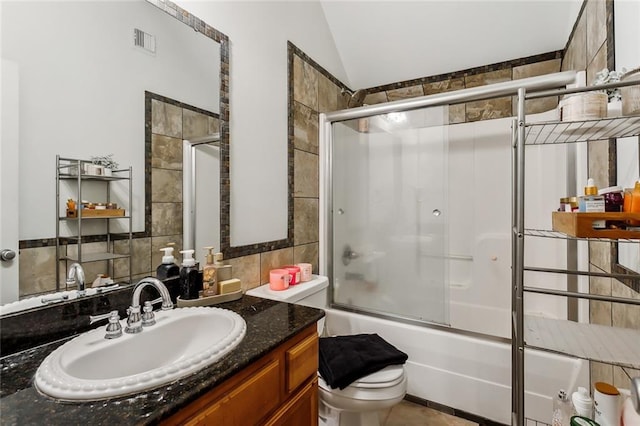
x=611, y=345
x=71, y=170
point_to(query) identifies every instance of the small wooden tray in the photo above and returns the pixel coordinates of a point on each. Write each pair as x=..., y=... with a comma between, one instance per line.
x=96, y=213
x=209, y=300
x=580, y=224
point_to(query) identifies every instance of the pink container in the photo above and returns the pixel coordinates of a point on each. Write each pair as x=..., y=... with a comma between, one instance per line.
x=279, y=279
x=305, y=271
x=294, y=271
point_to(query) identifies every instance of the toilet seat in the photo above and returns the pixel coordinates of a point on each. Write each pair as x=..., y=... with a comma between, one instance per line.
x=385, y=378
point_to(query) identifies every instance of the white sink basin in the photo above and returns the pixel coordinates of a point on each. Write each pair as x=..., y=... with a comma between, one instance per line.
x=183, y=341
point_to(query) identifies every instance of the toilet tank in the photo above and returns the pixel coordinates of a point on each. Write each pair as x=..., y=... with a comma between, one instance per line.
x=310, y=293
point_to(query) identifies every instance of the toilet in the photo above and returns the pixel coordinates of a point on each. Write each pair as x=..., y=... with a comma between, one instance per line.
x=359, y=403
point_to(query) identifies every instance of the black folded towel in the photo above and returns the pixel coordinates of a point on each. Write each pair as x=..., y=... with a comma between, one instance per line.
x=345, y=359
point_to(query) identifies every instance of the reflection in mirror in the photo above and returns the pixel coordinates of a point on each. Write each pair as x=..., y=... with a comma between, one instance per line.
x=87, y=96
x=201, y=194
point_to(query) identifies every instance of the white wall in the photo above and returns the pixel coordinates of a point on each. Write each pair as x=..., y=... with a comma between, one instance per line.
x=259, y=32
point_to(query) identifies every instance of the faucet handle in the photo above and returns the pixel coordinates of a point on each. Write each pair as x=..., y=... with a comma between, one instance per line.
x=114, y=329
x=134, y=321
x=148, y=317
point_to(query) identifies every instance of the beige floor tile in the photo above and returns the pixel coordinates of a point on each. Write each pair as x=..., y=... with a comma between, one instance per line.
x=410, y=414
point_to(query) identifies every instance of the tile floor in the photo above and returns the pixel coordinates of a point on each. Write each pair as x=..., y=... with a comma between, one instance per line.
x=410, y=414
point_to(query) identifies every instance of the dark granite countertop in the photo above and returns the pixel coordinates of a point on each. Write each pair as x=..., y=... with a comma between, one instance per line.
x=269, y=323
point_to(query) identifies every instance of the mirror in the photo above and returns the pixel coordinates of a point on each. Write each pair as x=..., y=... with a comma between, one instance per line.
x=86, y=90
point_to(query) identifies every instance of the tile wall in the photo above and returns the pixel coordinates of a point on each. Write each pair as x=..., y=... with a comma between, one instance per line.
x=591, y=48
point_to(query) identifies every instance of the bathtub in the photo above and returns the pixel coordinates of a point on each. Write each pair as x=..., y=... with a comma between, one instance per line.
x=466, y=372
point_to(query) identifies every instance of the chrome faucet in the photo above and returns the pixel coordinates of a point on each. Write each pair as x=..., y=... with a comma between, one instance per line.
x=76, y=276
x=136, y=321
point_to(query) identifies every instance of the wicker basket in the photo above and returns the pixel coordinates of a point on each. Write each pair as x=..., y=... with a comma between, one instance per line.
x=631, y=94
x=584, y=106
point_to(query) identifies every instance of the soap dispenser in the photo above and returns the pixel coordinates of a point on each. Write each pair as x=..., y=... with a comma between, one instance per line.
x=209, y=275
x=168, y=267
x=188, y=276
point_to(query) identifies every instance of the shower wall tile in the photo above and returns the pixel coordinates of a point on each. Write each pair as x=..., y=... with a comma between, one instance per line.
x=596, y=26
x=305, y=83
x=599, y=162
x=305, y=128
x=307, y=253
x=601, y=372
x=305, y=174
x=575, y=57
x=166, y=119
x=247, y=270
x=621, y=379
x=491, y=77
x=534, y=106
x=328, y=93
x=600, y=255
x=600, y=312
x=166, y=186
x=272, y=260
x=166, y=152
x=447, y=85
x=194, y=124
x=596, y=64
x=376, y=98
x=343, y=100
x=305, y=213
x=622, y=315
x=405, y=93
x=457, y=113
x=166, y=219
x=488, y=109
x=37, y=270
x=213, y=125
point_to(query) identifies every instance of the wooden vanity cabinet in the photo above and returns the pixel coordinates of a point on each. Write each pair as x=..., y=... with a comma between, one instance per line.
x=280, y=389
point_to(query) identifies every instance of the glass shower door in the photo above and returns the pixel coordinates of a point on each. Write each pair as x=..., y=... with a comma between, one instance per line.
x=389, y=216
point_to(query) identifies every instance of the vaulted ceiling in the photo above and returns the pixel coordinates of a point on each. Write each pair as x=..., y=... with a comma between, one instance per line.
x=382, y=42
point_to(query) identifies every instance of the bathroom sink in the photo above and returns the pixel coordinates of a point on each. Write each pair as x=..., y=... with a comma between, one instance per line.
x=183, y=341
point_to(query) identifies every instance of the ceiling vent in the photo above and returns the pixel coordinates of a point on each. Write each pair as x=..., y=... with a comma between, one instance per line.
x=144, y=40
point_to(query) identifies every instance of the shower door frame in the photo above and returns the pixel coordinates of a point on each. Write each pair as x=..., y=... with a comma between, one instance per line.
x=326, y=256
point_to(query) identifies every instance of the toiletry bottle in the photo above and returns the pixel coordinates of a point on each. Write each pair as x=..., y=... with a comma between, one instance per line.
x=168, y=267
x=562, y=410
x=224, y=271
x=634, y=206
x=582, y=403
x=592, y=202
x=188, y=276
x=209, y=275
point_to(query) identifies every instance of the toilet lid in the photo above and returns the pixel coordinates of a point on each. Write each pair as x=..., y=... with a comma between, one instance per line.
x=387, y=377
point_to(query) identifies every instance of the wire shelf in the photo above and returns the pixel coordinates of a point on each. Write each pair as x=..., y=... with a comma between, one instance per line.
x=557, y=132
x=544, y=233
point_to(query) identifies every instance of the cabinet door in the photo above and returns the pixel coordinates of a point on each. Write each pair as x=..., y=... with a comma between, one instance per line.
x=302, y=409
x=301, y=362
